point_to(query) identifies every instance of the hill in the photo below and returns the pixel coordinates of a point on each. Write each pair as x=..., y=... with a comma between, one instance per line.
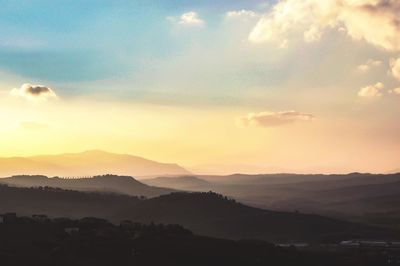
x=92, y=241
x=275, y=179
x=87, y=163
x=181, y=182
x=355, y=196
x=104, y=183
x=209, y=214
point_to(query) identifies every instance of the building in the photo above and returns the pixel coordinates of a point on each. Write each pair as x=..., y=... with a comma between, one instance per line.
x=71, y=230
x=40, y=218
x=370, y=244
x=10, y=217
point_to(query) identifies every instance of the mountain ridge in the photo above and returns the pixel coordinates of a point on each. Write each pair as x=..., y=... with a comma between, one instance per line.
x=126, y=185
x=87, y=163
x=209, y=214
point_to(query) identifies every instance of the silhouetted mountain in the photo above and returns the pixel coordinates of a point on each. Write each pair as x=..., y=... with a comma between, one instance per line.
x=214, y=215
x=19, y=165
x=204, y=213
x=394, y=171
x=105, y=183
x=182, y=182
x=274, y=179
x=374, y=203
x=354, y=196
x=87, y=164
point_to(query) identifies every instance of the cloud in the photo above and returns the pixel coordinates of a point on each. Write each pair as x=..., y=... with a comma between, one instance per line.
x=241, y=14
x=395, y=67
x=368, y=65
x=273, y=119
x=395, y=91
x=374, y=21
x=188, y=19
x=313, y=34
x=33, y=92
x=372, y=91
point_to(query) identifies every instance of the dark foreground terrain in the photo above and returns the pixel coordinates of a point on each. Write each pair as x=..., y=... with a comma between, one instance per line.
x=206, y=213
x=92, y=241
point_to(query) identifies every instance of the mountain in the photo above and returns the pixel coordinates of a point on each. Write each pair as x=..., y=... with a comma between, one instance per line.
x=373, y=203
x=181, y=182
x=209, y=214
x=394, y=171
x=273, y=179
x=87, y=163
x=370, y=198
x=104, y=183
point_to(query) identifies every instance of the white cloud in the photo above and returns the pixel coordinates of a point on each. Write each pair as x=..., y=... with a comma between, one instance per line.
x=284, y=44
x=188, y=19
x=313, y=34
x=395, y=68
x=273, y=119
x=395, y=91
x=375, y=21
x=372, y=91
x=33, y=92
x=369, y=64
x=242, y=14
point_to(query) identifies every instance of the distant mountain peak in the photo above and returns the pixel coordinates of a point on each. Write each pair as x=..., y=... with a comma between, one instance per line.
x=88, y=163
x=186, y=182
x=102, y=183
x=29, y=177
x=95, y=152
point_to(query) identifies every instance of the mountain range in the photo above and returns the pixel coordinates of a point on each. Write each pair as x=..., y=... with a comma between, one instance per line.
x=207, y=213
x=369, y=198
x=87, y=163
x=126, y=185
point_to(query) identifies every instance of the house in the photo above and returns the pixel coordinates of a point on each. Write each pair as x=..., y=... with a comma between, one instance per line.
x=40, y=218
x=71, y=230
x=370, y=243
x=126, y=224
x=350, y=243
x=394, y=244
x=10, y=217
x=373, y=243
x=294, y=244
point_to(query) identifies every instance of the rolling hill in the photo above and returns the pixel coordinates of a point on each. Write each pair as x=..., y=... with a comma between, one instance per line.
x=105, y=183
x=355, y=196
x=87, y=163
x=181, y=182
x=209, y=214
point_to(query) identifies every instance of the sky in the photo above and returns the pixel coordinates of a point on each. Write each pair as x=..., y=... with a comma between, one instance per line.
x=218, y=86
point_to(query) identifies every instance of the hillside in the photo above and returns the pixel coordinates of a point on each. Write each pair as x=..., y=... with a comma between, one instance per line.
x=209, y=214
x=276, y=179
x=354, y=196
x=212, y=214
x=181, y=182
x=96, y=242
x=104, y=183
x=87, y=163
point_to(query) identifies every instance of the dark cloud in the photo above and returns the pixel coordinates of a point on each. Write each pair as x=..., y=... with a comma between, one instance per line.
x=33, y=92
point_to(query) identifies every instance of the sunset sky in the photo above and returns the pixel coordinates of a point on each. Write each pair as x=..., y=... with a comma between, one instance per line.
x=214, y=85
